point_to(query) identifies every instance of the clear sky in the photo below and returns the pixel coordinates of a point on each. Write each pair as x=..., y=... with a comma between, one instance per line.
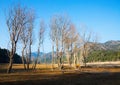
x=102, y=16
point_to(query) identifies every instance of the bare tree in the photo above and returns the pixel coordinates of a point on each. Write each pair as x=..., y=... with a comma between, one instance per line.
x=24, y=39
x=16, y=19
x=26, y=33
x=65, y=25
x=30, y=41
x=70, y=43
x=67, y=47
x=52, y=37
x=76, y=50
x=88, y=41
x=55, y=33
x=59, y=25
x=41, y=39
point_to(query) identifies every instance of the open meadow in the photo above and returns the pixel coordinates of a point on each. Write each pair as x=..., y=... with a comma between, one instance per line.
x=44, y=75
x=59, y=42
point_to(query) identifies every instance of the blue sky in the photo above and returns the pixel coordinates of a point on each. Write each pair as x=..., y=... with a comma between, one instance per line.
x=102, y=16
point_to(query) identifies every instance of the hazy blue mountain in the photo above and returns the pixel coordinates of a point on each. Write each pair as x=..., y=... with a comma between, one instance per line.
x=112, y=45
x=42, y=56
x=35, y=54
x=109, y=45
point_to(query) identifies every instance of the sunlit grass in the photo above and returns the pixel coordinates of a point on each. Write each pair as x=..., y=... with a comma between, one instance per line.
x=44, y=75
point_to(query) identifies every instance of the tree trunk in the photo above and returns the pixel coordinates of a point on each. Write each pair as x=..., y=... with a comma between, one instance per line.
x=27, y=60
x=71, y=54
x=34, y=64
x=44, y=56
x=68, y=57
x=74, y=60
x=36, y=60
x=13, y=50
x=27, y=64
x=10, y=65
x=23, y=59
x=84, y=55
x=52, y=56
x=85, y=61
x=57, y=53
x=30, y=53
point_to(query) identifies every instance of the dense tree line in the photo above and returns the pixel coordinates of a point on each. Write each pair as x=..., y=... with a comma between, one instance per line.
x=103, y=55
x=4, y=58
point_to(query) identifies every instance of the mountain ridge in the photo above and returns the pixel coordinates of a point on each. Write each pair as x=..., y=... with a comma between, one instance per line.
x=109, y=45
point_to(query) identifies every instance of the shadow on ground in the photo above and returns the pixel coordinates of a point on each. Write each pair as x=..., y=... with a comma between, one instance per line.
x=85, y=78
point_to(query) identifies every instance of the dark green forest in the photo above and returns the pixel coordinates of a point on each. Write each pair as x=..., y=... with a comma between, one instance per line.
x=94, y=56
x=5, y=59
x=103, y=55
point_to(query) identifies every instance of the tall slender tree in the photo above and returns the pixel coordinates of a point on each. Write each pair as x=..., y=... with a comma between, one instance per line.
x=52, y=35
x=30, y=41
x=41, y=39
x=26, y=33
x=16, y=21
x=59, y=26
x=89, y=39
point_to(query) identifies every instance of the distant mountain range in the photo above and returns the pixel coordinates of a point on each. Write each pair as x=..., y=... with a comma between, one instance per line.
x=42, y=56
x=35, y=54
x=109, y=45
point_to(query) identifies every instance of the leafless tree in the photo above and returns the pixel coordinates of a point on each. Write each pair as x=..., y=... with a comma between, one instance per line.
x=52, y=34
x=30, y=41
x=67, y=47
x=76, y=49
x=24, y=39
x=59, y=25
x=65, y=25
x=16, y=20
x=71, y=44
x=26, y=33
x=88, y=41
x=41, y=39
x=55, y=35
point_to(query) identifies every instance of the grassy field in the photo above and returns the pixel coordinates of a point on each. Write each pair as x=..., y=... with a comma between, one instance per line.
x=44, y=75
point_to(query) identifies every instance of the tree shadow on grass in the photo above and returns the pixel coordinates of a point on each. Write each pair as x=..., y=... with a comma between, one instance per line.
x=105, y=78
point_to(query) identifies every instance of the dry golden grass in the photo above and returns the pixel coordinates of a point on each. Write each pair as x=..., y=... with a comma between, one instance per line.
x=44, y=75
x=20, y=66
